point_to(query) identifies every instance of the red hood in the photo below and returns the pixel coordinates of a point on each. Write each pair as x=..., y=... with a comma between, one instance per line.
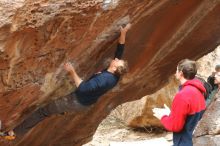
x=196, y=83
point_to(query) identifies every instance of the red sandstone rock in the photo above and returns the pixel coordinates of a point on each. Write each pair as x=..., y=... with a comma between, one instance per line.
x=40, y=35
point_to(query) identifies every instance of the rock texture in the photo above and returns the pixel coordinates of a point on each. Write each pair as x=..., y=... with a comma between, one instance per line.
x=138, y=114
x=206, y=64
x=39, y=36
x=208, y=130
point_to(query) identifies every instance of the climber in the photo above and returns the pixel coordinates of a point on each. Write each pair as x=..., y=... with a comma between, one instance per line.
x=188, y=105
x=86, y=93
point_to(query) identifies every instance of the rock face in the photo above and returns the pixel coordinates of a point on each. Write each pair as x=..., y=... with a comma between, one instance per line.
x=138, y=114
x=206, y=64
x=37, y=37
x=208, y=130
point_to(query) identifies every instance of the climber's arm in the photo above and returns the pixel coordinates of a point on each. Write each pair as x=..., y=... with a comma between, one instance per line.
x=121, y=41
x=68, y=67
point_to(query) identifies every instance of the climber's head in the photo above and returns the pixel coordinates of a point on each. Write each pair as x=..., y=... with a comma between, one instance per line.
x=118, y=66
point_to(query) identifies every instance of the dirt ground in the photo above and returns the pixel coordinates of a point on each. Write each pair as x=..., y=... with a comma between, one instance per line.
x=111, y=130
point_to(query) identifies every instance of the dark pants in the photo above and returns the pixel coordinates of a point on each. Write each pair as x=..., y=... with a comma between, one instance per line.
x=68, y=103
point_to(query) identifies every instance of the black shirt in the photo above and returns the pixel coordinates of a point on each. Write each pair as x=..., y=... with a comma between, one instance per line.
x=89, y=91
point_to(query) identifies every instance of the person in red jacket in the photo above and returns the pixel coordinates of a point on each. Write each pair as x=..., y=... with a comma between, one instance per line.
x=188, y=105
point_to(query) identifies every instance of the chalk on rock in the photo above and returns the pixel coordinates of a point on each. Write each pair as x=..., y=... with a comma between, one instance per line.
x=109, y=4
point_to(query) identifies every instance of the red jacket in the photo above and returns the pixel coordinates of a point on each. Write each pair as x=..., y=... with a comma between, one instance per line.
x=188, y=101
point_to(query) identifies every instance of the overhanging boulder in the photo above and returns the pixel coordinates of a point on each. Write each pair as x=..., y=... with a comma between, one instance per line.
x=39, y=36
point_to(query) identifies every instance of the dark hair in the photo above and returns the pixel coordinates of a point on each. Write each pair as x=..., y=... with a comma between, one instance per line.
x=121, y=70
x=188, y=67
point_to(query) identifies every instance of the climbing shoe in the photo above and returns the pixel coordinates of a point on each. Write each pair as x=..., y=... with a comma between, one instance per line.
x=7, y=136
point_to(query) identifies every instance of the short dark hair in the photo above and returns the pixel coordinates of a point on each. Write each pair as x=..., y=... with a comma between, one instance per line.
x=121, y=70
x=188, y=67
